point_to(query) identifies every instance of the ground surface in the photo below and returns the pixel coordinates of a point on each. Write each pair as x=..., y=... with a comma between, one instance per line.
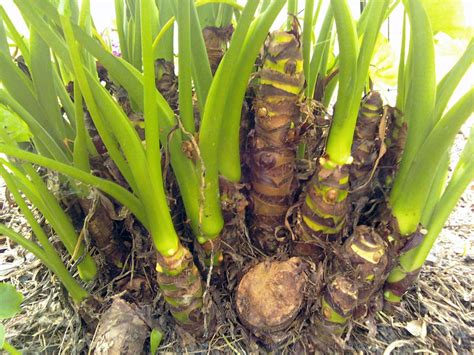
x=437, y=315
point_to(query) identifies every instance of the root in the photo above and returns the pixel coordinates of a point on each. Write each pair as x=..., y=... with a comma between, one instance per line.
x=270, y=295
x=121, y=330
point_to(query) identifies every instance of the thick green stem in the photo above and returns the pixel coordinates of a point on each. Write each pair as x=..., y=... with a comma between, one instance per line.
x=437, y=188
x=351, y=80
x=411, y=194
x=325, y=207
x=212, y=119
x=420, y=75
x=342, y=129
x=161, y=225
x=410, y=262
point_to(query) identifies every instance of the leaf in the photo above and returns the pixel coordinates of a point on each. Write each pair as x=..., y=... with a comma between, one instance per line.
x=417, y=328
x=155, y=339
x=448, y=16
x=383, y=70
x=14, y=127
x=11, y=300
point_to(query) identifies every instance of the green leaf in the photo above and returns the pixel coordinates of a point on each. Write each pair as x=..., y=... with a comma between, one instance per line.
x=382, y=70
x=3, y=38
x=155, y=339
x=41, y=68
x=14, y=127
x=183, y=15
x=11, y=300
x=448, y=16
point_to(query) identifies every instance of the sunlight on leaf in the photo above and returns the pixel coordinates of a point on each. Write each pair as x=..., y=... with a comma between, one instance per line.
x=383, y=69
x=448, y=16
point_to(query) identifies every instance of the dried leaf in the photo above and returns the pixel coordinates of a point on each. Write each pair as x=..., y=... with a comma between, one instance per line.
x=417, y=328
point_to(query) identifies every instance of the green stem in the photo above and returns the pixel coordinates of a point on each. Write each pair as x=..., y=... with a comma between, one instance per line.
x=437, y=188
x=41, y=69
x=308, y=25
x=351, y=84
x=184, y=169
x=186, y=112
x=40, y=197
x=401, y=68
x=413, y=260
x=229, y=145
x=421, y=78
x=165, y=49
x=116, y=191
x=16, y=36
x=80, y=154
x=213, y=116
x=201, y=69
x=10, y=349
x=52, y=261
x=411, y=194
x=329, y=90
x=292, y=13
x=265, y=4
x=41, y=136
x=119, y=19
x=342, y=129
x=161, y=225
x=450, y=81
x=319, y=52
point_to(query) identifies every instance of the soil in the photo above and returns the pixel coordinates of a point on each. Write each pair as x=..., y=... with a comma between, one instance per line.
x=436, y=315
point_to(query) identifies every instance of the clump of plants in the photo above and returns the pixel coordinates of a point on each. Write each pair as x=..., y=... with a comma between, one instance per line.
x=219, y=172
